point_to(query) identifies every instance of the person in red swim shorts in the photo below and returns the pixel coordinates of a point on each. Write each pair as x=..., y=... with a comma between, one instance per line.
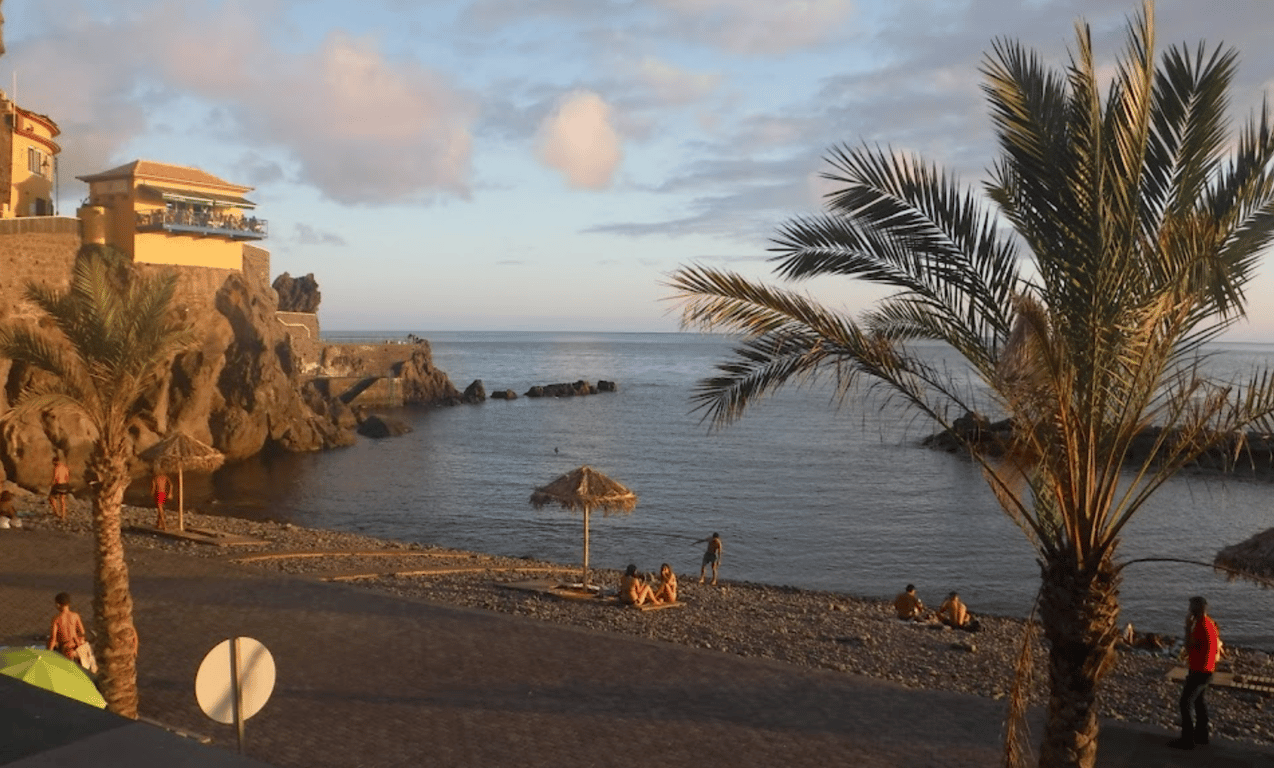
x=162, y=487
x=1203, y=645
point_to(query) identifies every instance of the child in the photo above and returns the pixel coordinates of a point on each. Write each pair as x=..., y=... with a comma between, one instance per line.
x=67, y=632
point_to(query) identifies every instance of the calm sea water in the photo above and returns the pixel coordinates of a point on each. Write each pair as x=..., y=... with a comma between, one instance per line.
x=803, y=493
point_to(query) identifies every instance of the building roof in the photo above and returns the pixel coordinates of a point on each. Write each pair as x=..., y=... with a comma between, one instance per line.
x=195, y=196
x=150, y=170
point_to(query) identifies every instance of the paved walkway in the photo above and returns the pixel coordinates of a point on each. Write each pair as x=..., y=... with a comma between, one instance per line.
x=371, y=680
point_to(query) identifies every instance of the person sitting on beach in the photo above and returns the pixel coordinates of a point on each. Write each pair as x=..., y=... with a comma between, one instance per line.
x=953, y=612
x=8, y=513
x=67, y=631
x=908, y=606
x=634, y=591
x=667, y=592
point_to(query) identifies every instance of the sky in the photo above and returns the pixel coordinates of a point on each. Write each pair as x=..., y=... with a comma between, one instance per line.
x=544, y=165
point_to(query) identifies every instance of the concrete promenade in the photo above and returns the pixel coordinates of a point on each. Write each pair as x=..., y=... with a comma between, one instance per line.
x=366, y=679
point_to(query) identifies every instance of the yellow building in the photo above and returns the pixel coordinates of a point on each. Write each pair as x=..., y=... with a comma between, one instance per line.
x=28, y=180
x=170, y=214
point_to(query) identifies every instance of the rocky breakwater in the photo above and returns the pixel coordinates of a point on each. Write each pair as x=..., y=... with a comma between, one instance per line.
x=238, y=388
x=1249, y=453
x=576, y=389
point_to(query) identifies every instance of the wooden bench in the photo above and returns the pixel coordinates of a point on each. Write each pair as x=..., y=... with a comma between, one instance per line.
x=1236, y=680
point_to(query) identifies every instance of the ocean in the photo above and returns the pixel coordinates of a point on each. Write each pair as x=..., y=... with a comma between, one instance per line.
x=804, y=493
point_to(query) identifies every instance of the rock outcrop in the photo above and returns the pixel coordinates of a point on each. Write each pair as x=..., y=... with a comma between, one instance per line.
x=475, y=393
x=299, y=294
x=377, y=426
x=236, y=389
x=422, y=383
x=575, y=389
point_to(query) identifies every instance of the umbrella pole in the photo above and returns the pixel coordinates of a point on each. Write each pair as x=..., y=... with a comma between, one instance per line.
x=181, y=500
x=585, y=579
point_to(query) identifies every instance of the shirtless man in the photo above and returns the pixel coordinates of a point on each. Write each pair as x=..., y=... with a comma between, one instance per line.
x=59, y=487
x=953, y=612
x=711, y=557
x=907, y=605
x=162, y=488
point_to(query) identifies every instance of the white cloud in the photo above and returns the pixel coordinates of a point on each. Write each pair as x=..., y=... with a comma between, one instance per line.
x=761, y=26
x=363, y=129
x=360, y=127
x=308, y=235
x=672, y=85
x=580, y=140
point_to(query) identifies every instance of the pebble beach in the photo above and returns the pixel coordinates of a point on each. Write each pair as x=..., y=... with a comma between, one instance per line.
x=825, y=630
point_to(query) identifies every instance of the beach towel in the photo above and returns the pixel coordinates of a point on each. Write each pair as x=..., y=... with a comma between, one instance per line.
x=84, y=654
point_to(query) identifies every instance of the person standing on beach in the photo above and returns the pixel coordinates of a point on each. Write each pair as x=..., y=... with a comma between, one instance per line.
x=162, y=488
x=1203, y=644
x=711, y=557
x=59, y=487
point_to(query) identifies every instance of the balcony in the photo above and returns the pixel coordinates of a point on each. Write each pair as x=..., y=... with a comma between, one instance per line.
x=204, y=223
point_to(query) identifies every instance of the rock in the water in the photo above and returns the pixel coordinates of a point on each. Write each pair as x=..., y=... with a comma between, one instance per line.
x=475, y=392
x=382, y=426
x=422, y=382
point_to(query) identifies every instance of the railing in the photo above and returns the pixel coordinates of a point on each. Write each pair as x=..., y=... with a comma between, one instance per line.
x=207, y=223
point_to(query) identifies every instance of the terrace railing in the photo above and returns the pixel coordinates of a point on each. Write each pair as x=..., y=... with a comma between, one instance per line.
x=203, y=223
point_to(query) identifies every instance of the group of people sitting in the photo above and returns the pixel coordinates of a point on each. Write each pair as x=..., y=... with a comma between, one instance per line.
x=634, y=589
x=952, y=612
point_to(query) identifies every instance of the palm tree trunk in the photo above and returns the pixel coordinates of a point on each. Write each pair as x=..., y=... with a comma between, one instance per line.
x=1079, y=611
x=112, y=599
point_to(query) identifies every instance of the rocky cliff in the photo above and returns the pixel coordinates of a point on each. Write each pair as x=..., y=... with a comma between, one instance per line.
x=238, y=389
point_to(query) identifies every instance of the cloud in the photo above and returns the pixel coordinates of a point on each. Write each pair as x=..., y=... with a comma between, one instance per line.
x=357, y=125
x=672, y=85
x=308, y=235
x=579, y=140
x=363, y=129
x=759, y=26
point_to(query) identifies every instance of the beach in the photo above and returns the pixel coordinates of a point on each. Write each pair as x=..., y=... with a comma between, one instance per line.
x=831, y=638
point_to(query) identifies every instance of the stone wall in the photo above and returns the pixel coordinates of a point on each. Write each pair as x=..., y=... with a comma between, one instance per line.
x=39, y=249
x=256, y=264
x=307, y=346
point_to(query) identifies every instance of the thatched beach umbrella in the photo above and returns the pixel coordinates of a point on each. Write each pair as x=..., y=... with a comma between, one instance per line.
x=586, y=489
x=1253, y=558
x=180, y=451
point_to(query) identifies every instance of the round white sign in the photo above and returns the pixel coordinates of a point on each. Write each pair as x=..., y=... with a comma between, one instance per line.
x=214, y=683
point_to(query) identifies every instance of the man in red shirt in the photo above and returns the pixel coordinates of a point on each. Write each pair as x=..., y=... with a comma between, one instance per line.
x=1202, y=646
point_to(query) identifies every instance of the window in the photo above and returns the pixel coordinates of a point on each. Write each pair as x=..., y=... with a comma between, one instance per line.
x=37, y=162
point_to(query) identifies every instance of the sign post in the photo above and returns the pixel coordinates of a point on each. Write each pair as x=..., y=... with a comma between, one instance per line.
x=234, y=682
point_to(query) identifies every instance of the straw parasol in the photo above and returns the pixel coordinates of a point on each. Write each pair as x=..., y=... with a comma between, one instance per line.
x=1253, y=558
x=180, y=451
x=586, y=489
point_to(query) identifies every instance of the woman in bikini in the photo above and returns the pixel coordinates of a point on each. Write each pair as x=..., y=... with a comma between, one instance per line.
x=633, y=590
x=667, y=592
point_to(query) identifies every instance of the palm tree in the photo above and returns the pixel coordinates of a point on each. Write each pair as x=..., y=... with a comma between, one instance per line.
x=1133, y=225
x=115, y=333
